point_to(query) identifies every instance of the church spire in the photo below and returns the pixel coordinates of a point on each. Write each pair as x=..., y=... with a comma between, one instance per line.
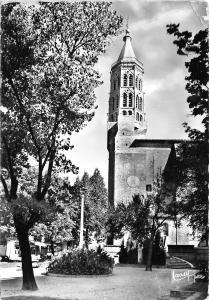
x=126, y=102
x=127, y=52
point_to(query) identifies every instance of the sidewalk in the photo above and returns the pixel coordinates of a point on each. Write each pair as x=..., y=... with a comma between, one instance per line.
x=126, y=283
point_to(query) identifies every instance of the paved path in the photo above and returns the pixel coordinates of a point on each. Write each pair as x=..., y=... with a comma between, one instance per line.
x=126, y=283
x=14, y=270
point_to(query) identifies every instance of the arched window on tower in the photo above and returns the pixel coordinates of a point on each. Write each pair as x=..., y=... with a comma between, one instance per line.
x=130, y=100
x=141, y=118
x=118, y=81
x=125, y=79
x=124, y=113
x=114, y=84
x=113, y=103
x=137, y=116
x=124, y=100
x=117, y=101
x=137, y=101
x=140, y=104
x=140, y=84
x=136, y=82
x=130, y=80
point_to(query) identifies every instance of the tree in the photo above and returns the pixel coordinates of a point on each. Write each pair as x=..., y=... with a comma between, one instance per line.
x=48, y=79
x=145, y=215
x=193, y=154
x=95, y=204
x=192, y=185
x=116, y=218
x=197, y=67
x=7, y=229
x=61, y=213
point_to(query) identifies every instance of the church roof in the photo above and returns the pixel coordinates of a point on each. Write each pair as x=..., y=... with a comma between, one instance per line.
x=127, y=51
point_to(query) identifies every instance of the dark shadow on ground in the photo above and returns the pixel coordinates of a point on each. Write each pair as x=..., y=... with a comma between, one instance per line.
x=201, y=287
x=139, y=266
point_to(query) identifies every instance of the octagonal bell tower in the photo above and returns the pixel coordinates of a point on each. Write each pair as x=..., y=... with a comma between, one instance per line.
x=126, y=117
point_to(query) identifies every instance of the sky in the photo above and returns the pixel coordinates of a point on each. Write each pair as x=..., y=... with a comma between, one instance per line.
x=164, y=72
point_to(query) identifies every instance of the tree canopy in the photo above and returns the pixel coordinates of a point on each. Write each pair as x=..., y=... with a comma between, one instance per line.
x=146, y=215
x=49, y=51
x=195, y=47
x=60, y=213
x=48, y=84
x=193, y=154
x=95, y=204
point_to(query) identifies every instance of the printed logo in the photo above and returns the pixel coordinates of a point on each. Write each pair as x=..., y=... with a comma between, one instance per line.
x=188, y=275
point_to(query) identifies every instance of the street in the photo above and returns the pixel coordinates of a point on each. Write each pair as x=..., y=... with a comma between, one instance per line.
x=11, y=270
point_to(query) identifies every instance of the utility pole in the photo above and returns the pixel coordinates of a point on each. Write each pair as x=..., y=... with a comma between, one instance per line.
x=81, y=222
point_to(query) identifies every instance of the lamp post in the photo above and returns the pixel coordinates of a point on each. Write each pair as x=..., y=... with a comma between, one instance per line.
x=81, y=222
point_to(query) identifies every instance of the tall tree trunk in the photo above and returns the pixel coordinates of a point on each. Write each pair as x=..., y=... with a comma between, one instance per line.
x=29, y=282
x=149, y=256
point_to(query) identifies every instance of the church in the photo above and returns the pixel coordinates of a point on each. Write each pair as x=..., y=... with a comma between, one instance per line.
x=134, y=160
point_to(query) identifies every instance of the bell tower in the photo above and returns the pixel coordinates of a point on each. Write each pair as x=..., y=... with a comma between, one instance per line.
x=126, y=102
x=126, y=117
x=135, y=161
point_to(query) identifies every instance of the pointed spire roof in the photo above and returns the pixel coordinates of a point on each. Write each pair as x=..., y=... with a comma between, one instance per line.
x=127, y=52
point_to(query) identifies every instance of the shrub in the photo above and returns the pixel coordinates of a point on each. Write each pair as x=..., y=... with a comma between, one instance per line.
x=202, y=275
x=82, y=262
x=128, y=256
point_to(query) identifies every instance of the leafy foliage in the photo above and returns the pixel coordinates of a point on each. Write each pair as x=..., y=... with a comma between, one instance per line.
x=144, y=216
x=116, y=221
x=48, y=85
x=49, y=51
x=197, y=67
x=82, y=262
x=7, y=229
x=62, y=218
x=192, y=183
x=58, y=222
x=95, y=204
x=193, y=155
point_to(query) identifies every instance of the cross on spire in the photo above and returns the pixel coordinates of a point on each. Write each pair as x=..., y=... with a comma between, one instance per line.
x=127, y=26
x=127, y=20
